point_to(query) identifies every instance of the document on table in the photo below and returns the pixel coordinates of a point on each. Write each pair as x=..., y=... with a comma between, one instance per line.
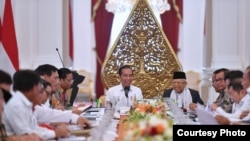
x=205, y=116
x=70, y=138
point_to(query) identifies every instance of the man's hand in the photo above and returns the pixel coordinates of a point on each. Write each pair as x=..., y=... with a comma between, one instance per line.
x=222, y=120
x=29, y=137
x=81, y=121
x=214, y=106
x=192, y=106
x=76, y=111
x=244, y=114
x=62, y=131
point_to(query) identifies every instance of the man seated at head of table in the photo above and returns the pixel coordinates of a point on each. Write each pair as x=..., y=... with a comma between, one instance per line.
x=183, y=96
x=122, y=95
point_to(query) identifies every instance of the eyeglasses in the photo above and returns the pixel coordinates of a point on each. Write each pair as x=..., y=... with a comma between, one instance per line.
x=217, y=80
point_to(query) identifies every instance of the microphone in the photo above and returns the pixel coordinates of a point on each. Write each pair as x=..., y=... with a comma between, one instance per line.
x=60, y=56
x=126, y=89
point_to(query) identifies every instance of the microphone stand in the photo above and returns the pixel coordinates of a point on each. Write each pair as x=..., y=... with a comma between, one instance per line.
x=77, y=80
x=60, y=57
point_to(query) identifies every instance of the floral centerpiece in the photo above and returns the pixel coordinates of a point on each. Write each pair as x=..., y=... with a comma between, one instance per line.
x=148, y=122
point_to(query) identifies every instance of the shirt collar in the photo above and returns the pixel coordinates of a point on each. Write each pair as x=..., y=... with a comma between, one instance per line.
x=122, y=89
x=248, y=90
x=24, y=99
x=245, y=98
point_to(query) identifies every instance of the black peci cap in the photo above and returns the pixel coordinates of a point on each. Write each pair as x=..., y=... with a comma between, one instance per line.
x=179, y=75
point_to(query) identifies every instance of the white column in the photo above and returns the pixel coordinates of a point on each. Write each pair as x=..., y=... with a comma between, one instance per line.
x=226, y=23
x=49, y=32
x=191, y=42
x=207, y=71
x=84, y=55
x=39, y=31
x=84, y=38
x=26, y=25
x=244, y=32
x=227, y=34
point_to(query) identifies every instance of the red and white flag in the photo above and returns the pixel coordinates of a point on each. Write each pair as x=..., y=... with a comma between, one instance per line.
x=9, y=60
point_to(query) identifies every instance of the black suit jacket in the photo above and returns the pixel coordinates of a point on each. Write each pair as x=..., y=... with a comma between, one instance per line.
x=194, y=94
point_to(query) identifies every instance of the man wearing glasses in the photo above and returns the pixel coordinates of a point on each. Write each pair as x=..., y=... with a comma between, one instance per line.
x=223, y=100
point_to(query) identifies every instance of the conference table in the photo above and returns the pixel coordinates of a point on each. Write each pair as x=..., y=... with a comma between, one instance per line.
x=106, y=127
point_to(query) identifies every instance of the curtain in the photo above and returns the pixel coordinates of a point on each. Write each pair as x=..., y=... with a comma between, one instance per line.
x=103, y=23
x=170, y=22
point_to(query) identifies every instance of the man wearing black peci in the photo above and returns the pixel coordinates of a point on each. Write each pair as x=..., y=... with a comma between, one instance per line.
x=122, y=95
x=184, y=97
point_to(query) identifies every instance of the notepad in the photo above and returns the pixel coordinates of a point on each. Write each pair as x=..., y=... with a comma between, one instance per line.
x=205, y=117
x=72, y=138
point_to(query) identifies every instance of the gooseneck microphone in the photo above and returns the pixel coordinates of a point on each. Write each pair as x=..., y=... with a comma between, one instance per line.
x=126, y=89
x=60, y=56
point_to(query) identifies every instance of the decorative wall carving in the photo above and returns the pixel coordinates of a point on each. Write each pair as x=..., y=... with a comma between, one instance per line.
x=143, y=45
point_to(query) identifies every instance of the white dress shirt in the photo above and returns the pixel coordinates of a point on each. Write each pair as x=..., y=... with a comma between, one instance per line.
x=248, y=90
x=19, y=119
x=45, y=114
x=237, y=109
x=116, y=95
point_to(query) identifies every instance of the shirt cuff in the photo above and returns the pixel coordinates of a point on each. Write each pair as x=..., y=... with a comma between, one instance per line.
x=74, y=118
x=50, y=135
x=219, y=110
x=46, y=133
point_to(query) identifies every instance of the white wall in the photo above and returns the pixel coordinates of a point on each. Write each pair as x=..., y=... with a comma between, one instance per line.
x=225, y=34
x=191, y=43
x=39, y=30
x=84, y=42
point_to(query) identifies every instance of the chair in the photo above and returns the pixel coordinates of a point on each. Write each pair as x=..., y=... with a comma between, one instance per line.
x=103, y=100
x=193, y=80
x=86, y=87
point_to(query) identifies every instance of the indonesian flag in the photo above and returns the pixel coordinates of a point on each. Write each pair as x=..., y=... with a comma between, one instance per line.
x=8, y=44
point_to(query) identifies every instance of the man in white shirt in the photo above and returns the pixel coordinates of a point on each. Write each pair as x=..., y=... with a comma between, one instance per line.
x=48, y=115
x=246, y=85
x=3, y=135
x=246, y=80
x=18, y=116
x=241, y=101
x=122, y=95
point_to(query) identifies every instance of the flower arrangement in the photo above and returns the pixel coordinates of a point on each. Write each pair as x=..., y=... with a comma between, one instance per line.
x=142, y=109
x=152, y=128
x=148, y=122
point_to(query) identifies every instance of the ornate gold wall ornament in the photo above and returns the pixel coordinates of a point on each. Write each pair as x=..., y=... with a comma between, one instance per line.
x=143, y=45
